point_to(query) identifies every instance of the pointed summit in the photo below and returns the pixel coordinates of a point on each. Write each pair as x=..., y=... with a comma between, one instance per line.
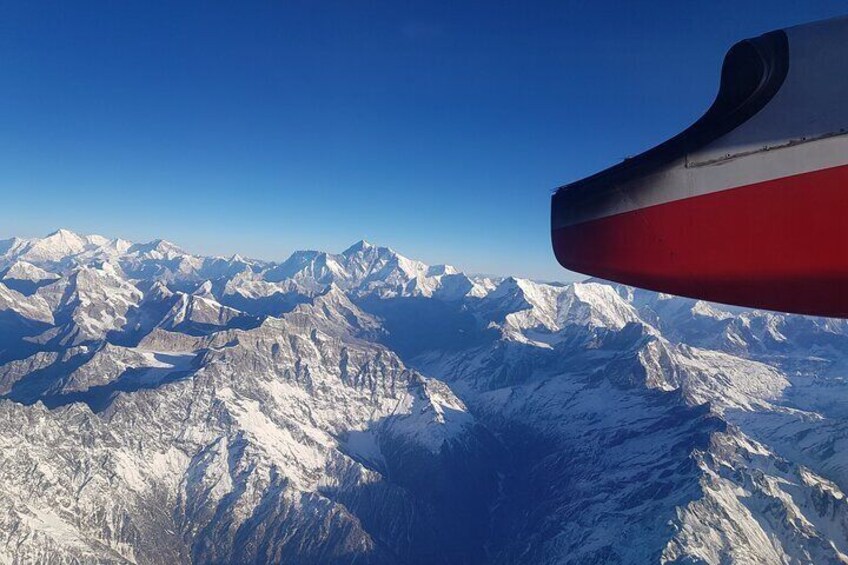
x=55, y=246
x=358, y=247
x=63, y=233
x=157, y=246
x=64, y=237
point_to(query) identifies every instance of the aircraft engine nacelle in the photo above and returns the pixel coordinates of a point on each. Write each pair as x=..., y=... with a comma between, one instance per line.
x=749, y=205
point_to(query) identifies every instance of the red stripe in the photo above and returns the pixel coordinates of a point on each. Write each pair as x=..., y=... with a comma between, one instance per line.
x=779, y=245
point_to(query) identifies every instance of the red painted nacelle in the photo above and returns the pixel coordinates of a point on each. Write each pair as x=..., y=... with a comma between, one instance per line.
x=749, y=205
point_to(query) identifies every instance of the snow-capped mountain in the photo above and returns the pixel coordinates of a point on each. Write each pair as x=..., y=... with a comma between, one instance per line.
x=364, y=407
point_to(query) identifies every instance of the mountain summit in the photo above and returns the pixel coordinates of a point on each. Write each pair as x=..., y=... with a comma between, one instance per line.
x=358, y=247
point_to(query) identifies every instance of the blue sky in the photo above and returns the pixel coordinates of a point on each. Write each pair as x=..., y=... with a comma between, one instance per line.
x=438, y=128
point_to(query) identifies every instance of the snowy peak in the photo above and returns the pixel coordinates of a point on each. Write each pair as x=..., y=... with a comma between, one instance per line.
x=205, y=290
x=59, y=245
x=594, y=305
x=30, y=307
x=441, y=270
x=509, y=296
x=25, y=271
x=360, y=246
x=91, y=300
x=334, y=313
x=363, y=261
x=158, y=249
x=363, y=268
x=197, y=314
x=311, y=269
x=544, y=314
x=68, y=239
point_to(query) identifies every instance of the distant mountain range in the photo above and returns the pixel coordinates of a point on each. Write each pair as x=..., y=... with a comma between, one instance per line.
x=363, y=407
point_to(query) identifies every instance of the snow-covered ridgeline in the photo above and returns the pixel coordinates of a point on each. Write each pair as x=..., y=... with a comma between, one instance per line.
x=162, y=406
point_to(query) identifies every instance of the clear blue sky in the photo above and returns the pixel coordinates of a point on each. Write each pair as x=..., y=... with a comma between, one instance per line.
x=438, y=128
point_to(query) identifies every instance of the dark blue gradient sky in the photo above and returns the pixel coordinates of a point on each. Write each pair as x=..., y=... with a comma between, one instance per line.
x=438, y=128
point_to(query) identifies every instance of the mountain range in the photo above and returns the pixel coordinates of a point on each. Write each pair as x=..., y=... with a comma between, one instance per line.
x=363, y=407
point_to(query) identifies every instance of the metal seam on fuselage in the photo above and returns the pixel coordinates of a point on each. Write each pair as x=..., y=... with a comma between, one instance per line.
x=736, y=173
x=787, y=144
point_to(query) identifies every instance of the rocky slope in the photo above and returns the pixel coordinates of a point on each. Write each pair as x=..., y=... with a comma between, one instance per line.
x=363, y=407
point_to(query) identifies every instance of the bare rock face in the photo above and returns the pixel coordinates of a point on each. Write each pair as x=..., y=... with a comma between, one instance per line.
x=161, y=407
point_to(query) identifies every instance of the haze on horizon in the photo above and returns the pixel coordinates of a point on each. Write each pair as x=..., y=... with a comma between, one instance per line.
x=437, y=129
